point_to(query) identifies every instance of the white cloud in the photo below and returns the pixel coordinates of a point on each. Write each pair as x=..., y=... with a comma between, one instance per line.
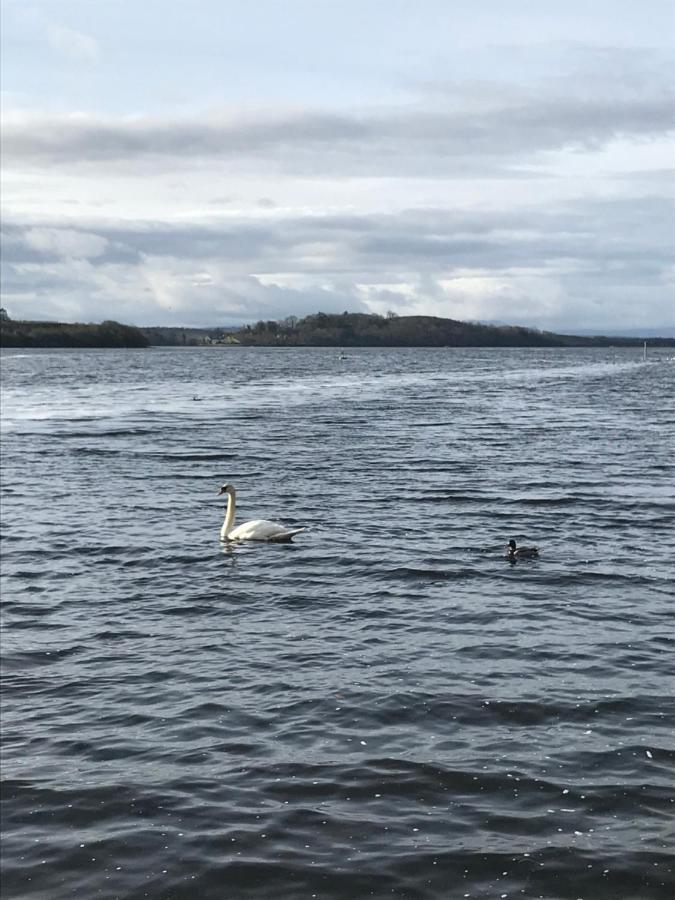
x=563, y=267
x=513, y=297
x=65, y=242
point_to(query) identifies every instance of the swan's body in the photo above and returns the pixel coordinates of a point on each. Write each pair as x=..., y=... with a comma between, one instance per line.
x=256, y=529
x=521, y=552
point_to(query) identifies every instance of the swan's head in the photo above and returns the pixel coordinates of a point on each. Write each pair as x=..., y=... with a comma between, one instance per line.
x=225, y=489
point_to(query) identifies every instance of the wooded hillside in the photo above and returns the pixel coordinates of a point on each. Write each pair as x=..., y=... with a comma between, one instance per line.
x=64, y=334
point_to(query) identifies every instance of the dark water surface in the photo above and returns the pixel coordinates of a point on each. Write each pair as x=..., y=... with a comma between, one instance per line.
x=387, y=707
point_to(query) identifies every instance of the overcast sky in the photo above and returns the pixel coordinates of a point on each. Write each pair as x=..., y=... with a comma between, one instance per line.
x=220, y=161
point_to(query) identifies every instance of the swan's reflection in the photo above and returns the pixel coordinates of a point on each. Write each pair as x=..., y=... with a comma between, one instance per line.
x=228, y=550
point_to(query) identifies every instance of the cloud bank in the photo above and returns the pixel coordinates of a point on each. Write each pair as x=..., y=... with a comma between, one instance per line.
x=544, y=202
x=546, y=267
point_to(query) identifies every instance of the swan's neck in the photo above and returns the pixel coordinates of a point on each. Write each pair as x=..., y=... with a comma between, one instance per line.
x=229, y=513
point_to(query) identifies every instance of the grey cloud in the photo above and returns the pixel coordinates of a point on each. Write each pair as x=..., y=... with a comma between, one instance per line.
x=400, y=141
x=129, y=243
x=241, y=242
x=68, y=139
x=593, y=233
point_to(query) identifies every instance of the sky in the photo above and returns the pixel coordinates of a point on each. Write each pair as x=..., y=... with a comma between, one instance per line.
x=216, y=162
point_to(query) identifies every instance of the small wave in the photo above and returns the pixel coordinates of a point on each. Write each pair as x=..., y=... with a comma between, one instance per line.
x=196, y=457
x=20, y=659
x=544, y=501
x=407, y=573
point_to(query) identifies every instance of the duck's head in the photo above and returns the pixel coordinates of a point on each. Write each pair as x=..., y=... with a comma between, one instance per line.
x=512, y=545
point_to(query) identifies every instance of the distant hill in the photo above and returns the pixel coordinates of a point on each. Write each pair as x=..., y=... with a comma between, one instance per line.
x=361, y=330
x=17, y=333
x=639, y=334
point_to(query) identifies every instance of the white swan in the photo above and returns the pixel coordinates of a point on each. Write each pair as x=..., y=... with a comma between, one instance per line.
x=256, y=529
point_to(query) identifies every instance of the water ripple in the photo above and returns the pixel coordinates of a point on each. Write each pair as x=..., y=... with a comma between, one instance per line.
x=386, y=708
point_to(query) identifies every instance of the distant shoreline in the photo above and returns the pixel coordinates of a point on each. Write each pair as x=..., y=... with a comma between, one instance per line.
x=348, y=330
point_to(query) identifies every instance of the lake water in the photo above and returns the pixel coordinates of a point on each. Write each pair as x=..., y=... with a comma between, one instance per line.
x=385, y=708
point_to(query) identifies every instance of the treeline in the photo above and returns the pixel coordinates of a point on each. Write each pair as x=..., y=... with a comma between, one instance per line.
x=170, y=336
x=361, y=330
x=65, y=334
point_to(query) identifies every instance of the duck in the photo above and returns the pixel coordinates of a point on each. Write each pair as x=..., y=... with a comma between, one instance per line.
x=515, y=552
x=256, y=529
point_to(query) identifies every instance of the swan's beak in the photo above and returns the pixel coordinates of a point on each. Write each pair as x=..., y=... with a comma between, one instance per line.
x=221, y=491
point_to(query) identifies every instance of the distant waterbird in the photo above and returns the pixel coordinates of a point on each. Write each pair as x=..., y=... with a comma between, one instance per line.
x=256, y=529
x=515, y=552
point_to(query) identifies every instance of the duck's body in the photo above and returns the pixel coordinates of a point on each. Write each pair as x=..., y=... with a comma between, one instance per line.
x=515, y=552
x=256, y=529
